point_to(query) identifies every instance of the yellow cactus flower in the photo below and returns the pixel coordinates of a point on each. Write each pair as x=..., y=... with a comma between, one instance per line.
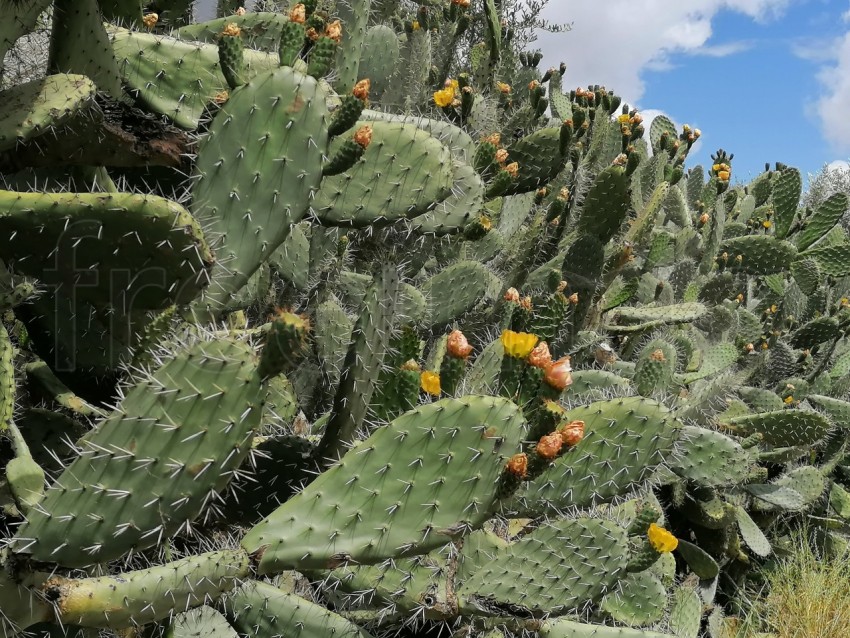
x=430, y=383
x=767, y=223
x=512, y=169
x=444, y=97
x=789, y=400
x=661, y=540
x=623, y=119
x=503, y=87
x=518, y=344
x=415, y=26
x=723, y=176
x=716, y=168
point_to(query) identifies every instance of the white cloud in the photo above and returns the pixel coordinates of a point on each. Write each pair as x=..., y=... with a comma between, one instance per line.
x=723, y=50
x=838, y=165
x=834, y=104
x=613, y=41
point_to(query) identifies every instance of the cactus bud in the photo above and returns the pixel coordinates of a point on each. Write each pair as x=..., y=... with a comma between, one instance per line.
x=363, y=136
x=549, y=446
x=334, y=31
x=298, y=14
x=572, y=433
x=457, y=345
x=518, y=465
x=559, y=374
x=512, y=294
x=540, y=357
x=232, y=30
x=150, y=20
x=361, y=89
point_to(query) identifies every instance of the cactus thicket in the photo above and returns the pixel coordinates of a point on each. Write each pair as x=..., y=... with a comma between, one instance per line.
x=384, y=330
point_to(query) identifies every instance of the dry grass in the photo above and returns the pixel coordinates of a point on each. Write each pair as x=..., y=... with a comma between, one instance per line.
x=808, y=596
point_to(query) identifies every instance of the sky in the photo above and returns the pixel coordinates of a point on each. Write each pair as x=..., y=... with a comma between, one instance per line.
x=767, y=80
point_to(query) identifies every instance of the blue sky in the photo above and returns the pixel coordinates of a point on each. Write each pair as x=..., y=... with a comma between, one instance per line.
x=767, y=80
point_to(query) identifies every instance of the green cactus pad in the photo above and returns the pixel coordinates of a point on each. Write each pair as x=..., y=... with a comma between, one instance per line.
x=363, y=360
x=714, y=361
x=808, y=481
x=252, y=193
x=785, y=427
x=539, y=158
x=556, y=569
x=332, y=336
x=606, y=204
x=259, y=609
x=457, y=289
x=260, y=28
x=426, y=477
x=685, y=612
x=751, y=533
x=479, y=549
x=380, y=55
x=709, y=458
x=625, y=440
x=806, y=273
x=638, y=600
x=589, y=381
x=572, y=629
x=174, y=78
x=660, y=125
x=839, y=501
x=144, y=249
x=655, y=367
x=189, y=426
x=760, y=254
x=452, y=137
x=815, y=332
x=140, y=597
x=201, y=622
x=838, y=410
x=679, y=313
x=698, y=560
x=786, y=196
x=403, y=173
x=453, y=213
x=410, y=585
x=34, y=108
x=824, y=219
x=771, y=497
x=833, y=260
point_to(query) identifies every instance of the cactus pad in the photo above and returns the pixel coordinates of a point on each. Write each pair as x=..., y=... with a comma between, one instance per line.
x=424, y=478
